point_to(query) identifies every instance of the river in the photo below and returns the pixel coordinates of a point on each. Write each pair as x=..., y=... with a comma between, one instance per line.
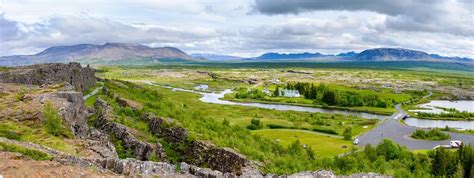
x=215, y=98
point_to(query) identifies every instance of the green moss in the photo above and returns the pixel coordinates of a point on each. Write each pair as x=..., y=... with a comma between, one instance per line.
x=30, y=153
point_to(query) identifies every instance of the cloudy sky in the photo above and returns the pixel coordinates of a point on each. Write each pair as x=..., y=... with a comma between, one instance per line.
x=241, y=27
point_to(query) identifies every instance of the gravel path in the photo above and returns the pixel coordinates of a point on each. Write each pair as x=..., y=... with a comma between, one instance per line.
x=93, y=92
x=400, y=133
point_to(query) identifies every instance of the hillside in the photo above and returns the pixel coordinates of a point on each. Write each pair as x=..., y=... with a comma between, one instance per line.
x=89, y=53
x=306, y=55
x=376, y=54
x=214, y=57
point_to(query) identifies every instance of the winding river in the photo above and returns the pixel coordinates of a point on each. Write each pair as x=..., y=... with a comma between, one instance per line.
x=215, y=98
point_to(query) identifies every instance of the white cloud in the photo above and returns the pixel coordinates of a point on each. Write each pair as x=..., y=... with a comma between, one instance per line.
x=217, y=26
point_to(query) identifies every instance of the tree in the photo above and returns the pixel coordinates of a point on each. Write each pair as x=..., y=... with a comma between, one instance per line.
x=329, y=97
x=347, y=133
x=370, y=152
x=443, y=163
x=466, y=158
x=277, y=91
x=388, y=149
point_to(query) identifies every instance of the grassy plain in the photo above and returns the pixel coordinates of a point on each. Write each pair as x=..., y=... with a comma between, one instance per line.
x=324, y=145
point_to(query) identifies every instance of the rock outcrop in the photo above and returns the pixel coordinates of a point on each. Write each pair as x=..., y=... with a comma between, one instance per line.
x=197, y=152
x=82, y=78
x=141, y=150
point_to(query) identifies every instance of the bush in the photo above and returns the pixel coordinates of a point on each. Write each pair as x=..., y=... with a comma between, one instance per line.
x=347, y=133
x=54, y=122
x=389, y=149
x=255, y=124
x=325, y=130
x=225, y=122
x=432, y=134
x=252, y=127
x=276, y=126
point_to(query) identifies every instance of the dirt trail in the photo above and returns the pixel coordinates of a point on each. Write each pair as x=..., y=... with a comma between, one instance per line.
x=16, y=165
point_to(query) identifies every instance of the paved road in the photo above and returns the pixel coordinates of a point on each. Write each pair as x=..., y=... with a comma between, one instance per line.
x=396, y=131
x=93, y=92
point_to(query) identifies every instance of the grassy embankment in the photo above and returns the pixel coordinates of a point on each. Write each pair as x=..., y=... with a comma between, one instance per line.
x=205, y=121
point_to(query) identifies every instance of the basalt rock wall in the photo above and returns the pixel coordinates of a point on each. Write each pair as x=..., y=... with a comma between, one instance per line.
x=82, y=78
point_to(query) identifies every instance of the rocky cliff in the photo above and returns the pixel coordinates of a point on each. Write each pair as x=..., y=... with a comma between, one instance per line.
x=82, y=78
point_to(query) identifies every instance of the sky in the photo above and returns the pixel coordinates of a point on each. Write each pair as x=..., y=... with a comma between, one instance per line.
x=241, y=27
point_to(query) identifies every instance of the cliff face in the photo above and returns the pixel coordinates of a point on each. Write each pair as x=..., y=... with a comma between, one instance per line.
x=82, y=78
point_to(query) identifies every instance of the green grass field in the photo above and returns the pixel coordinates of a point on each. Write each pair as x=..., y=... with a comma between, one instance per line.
x=323, y=145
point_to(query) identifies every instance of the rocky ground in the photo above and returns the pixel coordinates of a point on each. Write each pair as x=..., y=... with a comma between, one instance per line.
x=16, y=165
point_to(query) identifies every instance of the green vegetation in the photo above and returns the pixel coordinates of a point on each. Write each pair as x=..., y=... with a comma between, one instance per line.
x=254, y=124
x=347, y=133
x=30, y=131
x=432, y=134
x=451, y=115
x=284, y=141
x=54, y=122
x=206, y=121
x=30, y=153
x=322, y=145
x=390, y=158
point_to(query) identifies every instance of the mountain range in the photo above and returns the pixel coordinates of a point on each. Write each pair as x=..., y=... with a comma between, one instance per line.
x=376, y=54
x=114, y=53
x=88, y=53
x=214, y=57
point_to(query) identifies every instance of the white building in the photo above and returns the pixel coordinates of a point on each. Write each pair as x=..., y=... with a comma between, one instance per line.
x=289, y=93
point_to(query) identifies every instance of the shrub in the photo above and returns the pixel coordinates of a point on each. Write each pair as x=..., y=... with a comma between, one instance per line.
x=325, y=130
x=276, y=126
x=54, y=122
x=347, y=133
x=225, y=122
x=252, y=127
x=255, y=124
x=432, y=134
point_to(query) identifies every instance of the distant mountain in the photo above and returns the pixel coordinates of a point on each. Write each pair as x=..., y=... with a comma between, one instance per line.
x=109, y=52
x=348, y=54
x=305, y=55
x=392, y=54
x=400, y=54
x=214, y=57
x=376, y=54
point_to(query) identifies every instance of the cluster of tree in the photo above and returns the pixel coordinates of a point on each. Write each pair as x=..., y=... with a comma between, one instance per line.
x=388, y=156
x=308, y=90
x=452, y=113
x=432, y=134
x=255, y=124
x=334, y=97
x=252, y=94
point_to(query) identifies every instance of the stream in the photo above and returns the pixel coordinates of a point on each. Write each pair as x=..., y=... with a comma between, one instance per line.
x=215, y=98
